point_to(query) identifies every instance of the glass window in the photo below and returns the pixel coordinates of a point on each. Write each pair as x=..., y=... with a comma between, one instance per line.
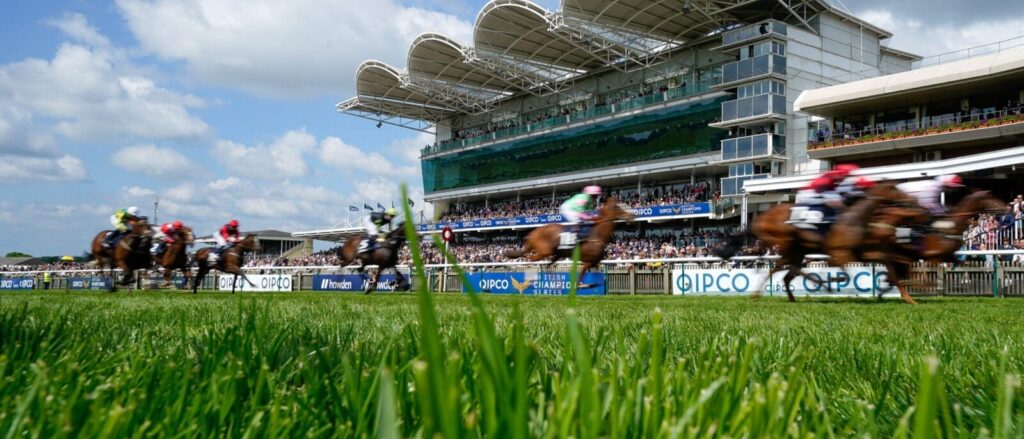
x=654, y=135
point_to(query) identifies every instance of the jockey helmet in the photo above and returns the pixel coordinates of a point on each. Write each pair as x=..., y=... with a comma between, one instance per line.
x=233, y=224
x=178, y=225
x=821, y=184
x=133, y=211
x=391, y=212
x=951, y=180
x=592, y=190
x=847, y=168
x=865, y=183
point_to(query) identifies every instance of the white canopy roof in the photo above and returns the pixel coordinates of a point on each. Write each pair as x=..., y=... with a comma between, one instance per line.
x=998, y=66
x=521, y=46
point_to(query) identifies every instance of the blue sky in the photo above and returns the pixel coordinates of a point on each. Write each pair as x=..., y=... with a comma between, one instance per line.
x=225, y=109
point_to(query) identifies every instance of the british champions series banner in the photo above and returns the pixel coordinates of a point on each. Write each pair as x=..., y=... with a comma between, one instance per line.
x=556, y=284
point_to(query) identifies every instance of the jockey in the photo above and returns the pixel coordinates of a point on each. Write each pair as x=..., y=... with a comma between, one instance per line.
x=578, y=208
x=226, y=237
x=122, y=221
x=374, y=222
x=927, y=192
x=169, y=232
x=853, y=189
x=816, y=204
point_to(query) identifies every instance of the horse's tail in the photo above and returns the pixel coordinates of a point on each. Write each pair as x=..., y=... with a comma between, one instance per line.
x=733, y=245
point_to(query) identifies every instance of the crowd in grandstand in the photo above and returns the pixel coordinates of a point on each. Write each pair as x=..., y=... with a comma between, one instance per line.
x=997, y=231
x=647, y=196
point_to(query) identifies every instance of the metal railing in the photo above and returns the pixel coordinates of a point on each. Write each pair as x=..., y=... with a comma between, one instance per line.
x=911, y=128
x=757, y=145
x=971, y=52
x=760, y=105
x=760, y=65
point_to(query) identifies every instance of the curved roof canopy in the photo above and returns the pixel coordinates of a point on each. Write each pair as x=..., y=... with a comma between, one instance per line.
x=520, y=46
x=521, y=30
x=438, y=57
x=677, y=20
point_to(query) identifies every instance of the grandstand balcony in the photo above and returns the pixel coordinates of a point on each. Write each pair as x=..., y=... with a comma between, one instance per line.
x=671, y=136
x=769, y=65
x=736, y=38
x=593, y=113
x=753, y=110
x=757, y=146
x=969, y=105
x=943, y=131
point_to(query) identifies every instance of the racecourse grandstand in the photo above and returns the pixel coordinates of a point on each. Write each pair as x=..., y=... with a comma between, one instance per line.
x=689, y=110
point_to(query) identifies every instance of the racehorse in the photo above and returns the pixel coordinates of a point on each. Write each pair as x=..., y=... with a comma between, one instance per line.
x=880, y=244
x=794, y=243
x=230, y=261
x=175, y=257
x=385, y=256
x=948, y=238
x=542, y=243
x=131, y=252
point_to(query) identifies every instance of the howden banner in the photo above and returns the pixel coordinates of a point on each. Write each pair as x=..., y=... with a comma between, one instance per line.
x=859, y=282
x=669, y=210
x=556, y=284
x=351, y=282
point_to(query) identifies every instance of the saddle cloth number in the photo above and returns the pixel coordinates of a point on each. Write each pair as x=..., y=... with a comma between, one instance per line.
x=566, y=239
x=801, y=214
x=363, y=246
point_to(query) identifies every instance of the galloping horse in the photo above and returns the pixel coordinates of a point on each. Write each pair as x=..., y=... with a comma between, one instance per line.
x=175, y=257
x=230, y=261
x=542, y=243
x=384, y=257
x=794, y=243
x=131, y=252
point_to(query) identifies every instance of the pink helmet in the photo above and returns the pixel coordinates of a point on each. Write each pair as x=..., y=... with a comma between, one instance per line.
x=951, y=180
x=592, y=190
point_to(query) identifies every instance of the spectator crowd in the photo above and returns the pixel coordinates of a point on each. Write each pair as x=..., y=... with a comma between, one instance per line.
x=648, y=196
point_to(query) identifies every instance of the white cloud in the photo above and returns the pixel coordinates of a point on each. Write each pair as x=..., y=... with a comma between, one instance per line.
x=20, y=136
x=408, y=149
x=335, y=152
x=282, y=159
x=283, y=48
x=22, y=168
x=93, y=92
x=912, y=35
x=76, y=26
x=137, y=192
x=153, y=160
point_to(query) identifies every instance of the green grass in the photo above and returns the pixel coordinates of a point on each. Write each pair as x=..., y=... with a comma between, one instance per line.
x=339, y=364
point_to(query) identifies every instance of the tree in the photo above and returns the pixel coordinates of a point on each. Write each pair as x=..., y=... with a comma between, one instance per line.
x=18, y=255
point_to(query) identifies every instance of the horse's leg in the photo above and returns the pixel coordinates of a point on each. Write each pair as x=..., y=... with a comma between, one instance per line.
x=767, y=280
x=896, y=278
x=200, y=275
x=234, y=281
x=373, y=282
x=583, y=270
x=791, y=274
x=403, y=282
